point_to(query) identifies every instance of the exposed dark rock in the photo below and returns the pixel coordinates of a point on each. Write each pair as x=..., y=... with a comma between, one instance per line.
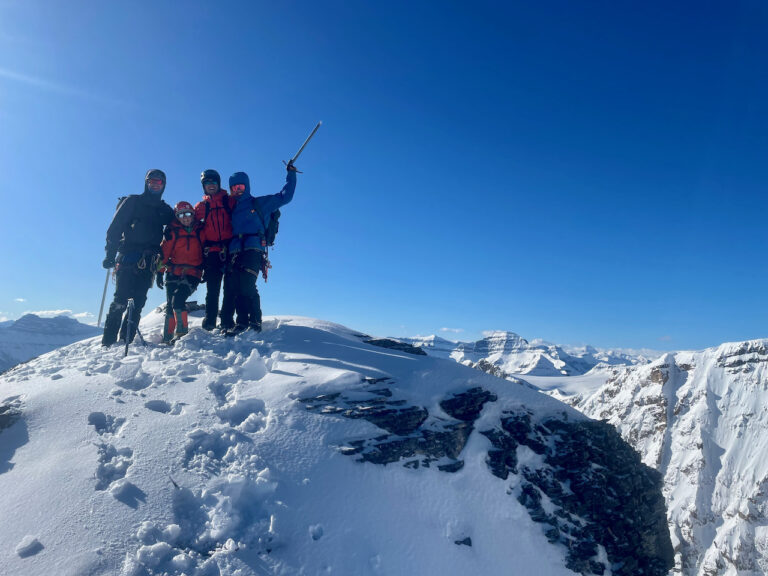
x=396, y=345
x=465, y=542
x=452, y=467
x=430, y=445
x=374, y=406
x=440, y=443
x=660, y=375
x=10, y=412
x=467, y=405
x=491, y=369
x=606, y=496
x=747, y=353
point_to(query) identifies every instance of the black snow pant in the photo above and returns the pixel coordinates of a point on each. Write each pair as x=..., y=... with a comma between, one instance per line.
x=215, y=267
x=177, y=290
x=241, y=284
x=131, y=281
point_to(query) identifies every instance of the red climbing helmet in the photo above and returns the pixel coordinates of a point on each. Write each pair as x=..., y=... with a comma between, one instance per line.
x=184, y=209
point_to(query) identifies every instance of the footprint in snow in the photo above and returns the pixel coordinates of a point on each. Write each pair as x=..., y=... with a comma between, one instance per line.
x=207, y=450
x=113, y=465
x=164, y=407
x=29, y=546
x=104, y=423
x=246, y=414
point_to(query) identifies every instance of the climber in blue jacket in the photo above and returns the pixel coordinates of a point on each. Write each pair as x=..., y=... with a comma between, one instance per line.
x=254, y=224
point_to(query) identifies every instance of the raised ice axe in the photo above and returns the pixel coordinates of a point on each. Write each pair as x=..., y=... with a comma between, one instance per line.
x=292, y=160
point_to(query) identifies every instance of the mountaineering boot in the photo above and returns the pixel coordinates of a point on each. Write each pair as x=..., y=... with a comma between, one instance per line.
x=255, y=326
x=112, y=324
x=226, y=324
x=182, y=324
x=208, y=323
x=236, y=329
x=227, y=321
x=168, y=328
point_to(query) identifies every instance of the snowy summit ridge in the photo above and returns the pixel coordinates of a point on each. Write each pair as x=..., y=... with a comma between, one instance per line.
x=306, y=450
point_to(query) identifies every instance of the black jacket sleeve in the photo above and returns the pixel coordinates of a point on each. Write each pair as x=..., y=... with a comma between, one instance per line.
x=120, y=221
x=169, y=214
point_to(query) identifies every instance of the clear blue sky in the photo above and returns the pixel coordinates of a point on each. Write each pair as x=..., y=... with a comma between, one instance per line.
x=583, y=172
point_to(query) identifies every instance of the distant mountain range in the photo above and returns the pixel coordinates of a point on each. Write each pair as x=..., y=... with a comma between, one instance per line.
x=503, y=353
x=30, y=336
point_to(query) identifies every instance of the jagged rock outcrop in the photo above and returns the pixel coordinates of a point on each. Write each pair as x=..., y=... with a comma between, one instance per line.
x=393, y=344
x=590, y=488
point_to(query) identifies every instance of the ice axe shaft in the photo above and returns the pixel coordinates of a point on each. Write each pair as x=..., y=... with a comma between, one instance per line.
x=103, y=296
x=292, y=160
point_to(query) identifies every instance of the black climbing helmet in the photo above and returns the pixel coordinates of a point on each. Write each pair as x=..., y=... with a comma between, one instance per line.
x=154, y=173
x=210, y=175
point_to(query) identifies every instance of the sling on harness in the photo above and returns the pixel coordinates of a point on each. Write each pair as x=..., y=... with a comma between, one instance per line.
x=268, y=239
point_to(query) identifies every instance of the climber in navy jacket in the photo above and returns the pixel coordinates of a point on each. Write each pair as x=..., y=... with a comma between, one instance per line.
x=248, y=247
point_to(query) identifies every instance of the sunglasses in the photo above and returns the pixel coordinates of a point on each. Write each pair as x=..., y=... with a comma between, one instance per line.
x=184, y=214
x=209, y=182
x=156, y=181
x=238, y=188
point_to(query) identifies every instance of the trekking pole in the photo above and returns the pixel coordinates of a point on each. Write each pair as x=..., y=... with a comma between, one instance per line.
x=129, y=322
x=292, y=160
x=103, y=296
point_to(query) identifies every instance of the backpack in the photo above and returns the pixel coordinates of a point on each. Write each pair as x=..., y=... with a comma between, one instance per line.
x=225, y=205
x=272, y=227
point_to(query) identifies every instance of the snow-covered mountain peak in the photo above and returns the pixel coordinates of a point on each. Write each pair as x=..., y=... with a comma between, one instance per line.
x=31, y=335
x=503, y=341
x=306, y=450
x=58, y=325
x=699, y=418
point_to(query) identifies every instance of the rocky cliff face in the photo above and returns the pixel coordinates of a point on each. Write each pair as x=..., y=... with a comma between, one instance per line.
x=700, y=419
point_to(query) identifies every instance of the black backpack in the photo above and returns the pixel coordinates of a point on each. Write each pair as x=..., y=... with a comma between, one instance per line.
x=272, y=227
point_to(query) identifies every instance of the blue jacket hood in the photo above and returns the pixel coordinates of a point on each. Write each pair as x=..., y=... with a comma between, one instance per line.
x=240, y=178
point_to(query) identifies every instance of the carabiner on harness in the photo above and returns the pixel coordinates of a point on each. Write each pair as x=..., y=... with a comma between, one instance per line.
x=265, y=266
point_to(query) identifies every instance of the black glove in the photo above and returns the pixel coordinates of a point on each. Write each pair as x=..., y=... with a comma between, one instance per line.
x=109, y=262
x=159, y=280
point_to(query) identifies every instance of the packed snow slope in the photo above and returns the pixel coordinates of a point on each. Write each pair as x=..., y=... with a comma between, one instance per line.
x=304, y=450
x=700, y=419
x=31, y=336
x=504, y=353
